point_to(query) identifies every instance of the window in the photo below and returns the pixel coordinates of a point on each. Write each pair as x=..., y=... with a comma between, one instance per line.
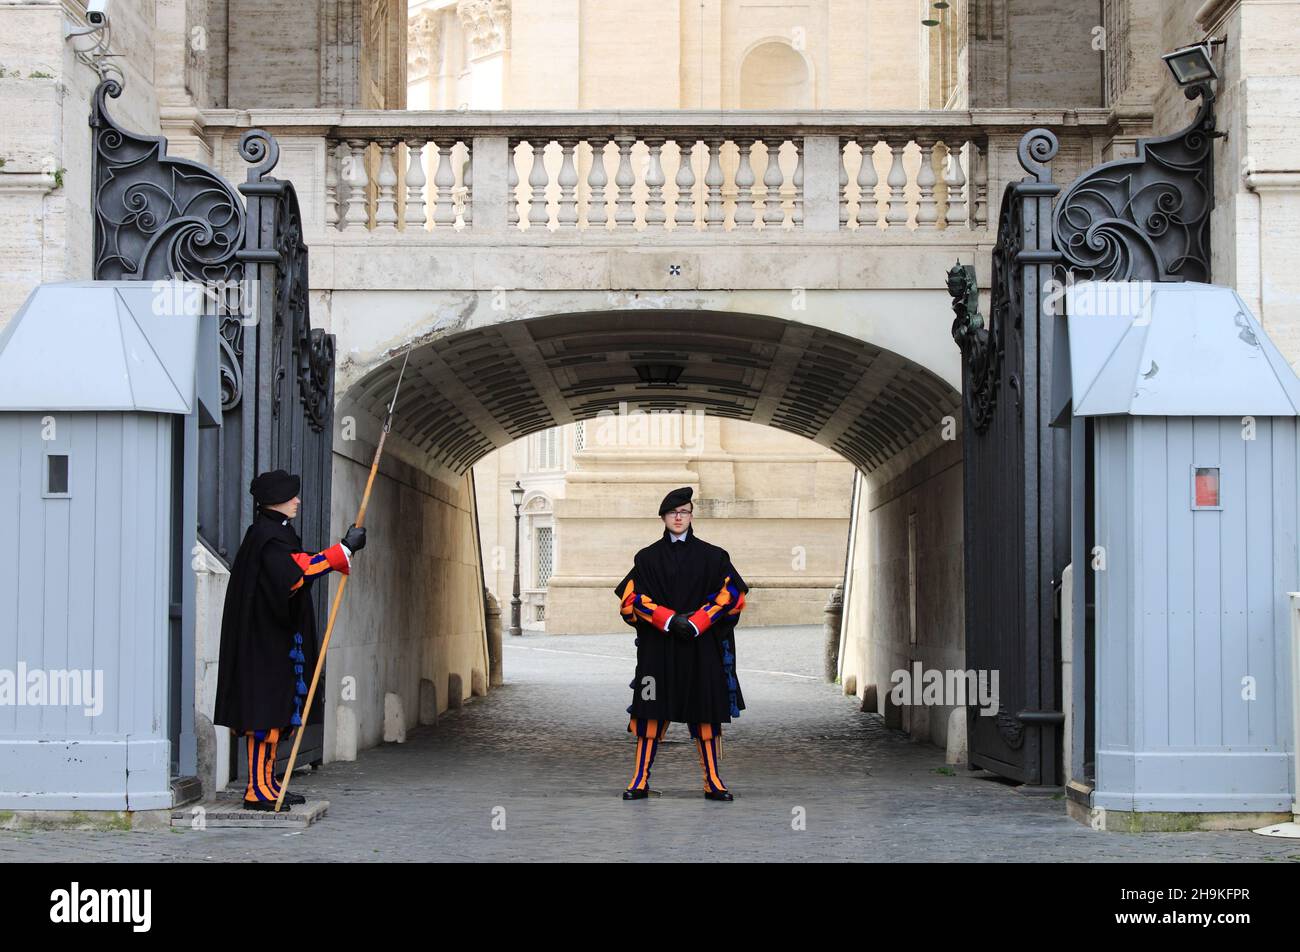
x=1205, y=488
x=56, y=475
x=546, y=449
x=544, y=555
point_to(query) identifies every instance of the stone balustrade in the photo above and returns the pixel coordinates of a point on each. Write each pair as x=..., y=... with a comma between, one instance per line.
x=733, y=175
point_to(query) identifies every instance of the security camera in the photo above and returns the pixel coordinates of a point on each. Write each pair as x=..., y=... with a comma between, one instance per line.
x=97, y=12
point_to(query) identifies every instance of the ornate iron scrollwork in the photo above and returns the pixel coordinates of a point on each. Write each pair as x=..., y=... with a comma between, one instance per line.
x=312, y=351
x=1148, y=217
x=984, y=348
x=978, y=349
x=158, y=217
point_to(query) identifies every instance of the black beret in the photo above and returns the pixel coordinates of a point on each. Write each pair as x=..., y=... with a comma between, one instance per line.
x=275, y=487
x=675, y=499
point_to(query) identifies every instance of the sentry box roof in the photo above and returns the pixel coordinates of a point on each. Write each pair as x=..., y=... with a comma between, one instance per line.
x=1170, y=349
x=112, y=345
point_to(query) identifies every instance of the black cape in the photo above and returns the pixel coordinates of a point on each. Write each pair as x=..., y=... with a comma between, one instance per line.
x=255, y=675
x=692, y=679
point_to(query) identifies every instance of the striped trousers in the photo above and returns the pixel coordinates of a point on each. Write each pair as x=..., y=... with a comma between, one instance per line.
x=708, y=743
x=262, y=746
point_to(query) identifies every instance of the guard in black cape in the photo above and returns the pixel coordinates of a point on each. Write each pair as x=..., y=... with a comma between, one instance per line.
x=269, y=639
x=684, y=597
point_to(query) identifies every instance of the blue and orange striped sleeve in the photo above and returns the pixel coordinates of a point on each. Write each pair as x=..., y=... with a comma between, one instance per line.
x=635, y=606
x=727, y=602
x=335, y=558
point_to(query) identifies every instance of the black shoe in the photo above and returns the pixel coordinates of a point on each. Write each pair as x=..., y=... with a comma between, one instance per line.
x=636, y=794
x=266, y=806
x=291, y=797
x=723, y=796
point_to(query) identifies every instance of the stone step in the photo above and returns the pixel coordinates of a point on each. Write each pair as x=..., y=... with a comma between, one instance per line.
x=225, y=813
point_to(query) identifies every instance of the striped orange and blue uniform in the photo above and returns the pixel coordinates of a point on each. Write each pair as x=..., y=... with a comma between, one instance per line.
x=335, y=558
x=728, y=601
x=262, y=747
x=263, y=744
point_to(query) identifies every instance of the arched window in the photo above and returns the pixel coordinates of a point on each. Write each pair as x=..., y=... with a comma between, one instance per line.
x=775, y=75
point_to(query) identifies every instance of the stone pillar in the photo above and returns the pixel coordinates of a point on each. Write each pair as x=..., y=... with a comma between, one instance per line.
x=487, y=27
x=496, y=678
x=834, y=615
x=821, y=205
x=490, y=195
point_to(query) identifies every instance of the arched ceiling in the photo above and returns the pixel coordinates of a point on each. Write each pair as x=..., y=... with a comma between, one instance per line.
x=467, y=394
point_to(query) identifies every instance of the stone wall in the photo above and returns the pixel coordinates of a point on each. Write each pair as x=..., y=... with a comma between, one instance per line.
x=905, y=601
x=413, y=610
x=46, y=226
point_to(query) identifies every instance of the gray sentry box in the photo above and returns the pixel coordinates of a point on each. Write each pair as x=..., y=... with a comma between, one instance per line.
x=1195, y=465
x=102, y=388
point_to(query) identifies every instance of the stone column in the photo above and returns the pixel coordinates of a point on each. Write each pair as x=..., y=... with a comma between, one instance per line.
x=496, y=672
x=487, y=27
x=834, y=614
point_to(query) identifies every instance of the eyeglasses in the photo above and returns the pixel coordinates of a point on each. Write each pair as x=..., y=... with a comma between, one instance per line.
x=678, y=512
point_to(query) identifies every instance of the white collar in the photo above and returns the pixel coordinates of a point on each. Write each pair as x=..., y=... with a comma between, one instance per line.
x=677, y=537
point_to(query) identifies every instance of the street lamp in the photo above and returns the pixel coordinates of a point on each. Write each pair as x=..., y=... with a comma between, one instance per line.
x=518, y=495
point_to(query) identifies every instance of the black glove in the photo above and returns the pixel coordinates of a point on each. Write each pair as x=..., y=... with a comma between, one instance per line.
x=355, y=539
x=682, y=628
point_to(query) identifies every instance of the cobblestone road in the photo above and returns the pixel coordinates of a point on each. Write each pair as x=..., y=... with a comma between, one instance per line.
x=550, y=748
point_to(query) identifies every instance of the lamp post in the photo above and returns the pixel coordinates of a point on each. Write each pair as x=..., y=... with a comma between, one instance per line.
x=518, y=495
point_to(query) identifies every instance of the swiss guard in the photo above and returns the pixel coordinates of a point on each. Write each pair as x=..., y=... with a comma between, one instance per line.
x=268, y=632
x=684, y=597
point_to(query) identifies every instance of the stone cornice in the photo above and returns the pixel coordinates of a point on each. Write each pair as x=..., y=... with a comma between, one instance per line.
x=404, y=123
x=16, y=182
x=1212, y=12
x=1271, y=181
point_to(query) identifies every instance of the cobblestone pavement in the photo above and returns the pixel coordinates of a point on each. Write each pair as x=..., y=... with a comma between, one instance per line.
x=550, y=747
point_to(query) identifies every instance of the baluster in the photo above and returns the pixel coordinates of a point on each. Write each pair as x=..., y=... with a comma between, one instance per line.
x=444, y=211
x=332, y=162
x=713, y=184
x=539, y=216
x=897, y=213
x=654, y=182
x=796, y=207
x=926, y=211
x=979, y=159
x=684, y=214
x=567, y=216
x=868, y=213
x=357, y=217
x=413, y=215
x=597, y=213
x=955, y=181
x=512, y=184
x=844, y=184
x=386, y=202
x=773, y=211
x=744, y=213
x=624, y=179
x=467, y=189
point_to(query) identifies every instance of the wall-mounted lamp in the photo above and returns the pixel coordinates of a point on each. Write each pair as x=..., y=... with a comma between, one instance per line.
x=1193, y=64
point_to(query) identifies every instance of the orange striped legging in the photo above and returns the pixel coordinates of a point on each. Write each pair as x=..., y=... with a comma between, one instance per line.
x=708, y=742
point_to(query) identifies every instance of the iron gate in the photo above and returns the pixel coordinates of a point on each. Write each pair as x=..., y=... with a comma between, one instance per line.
x=1015, y=494
x=158, y=218
x=1142, y=218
